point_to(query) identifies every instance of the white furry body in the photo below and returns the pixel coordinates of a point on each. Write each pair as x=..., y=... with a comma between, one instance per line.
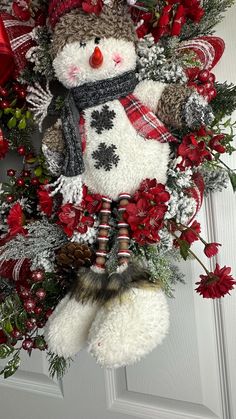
x=125, y=331
x=139, y=158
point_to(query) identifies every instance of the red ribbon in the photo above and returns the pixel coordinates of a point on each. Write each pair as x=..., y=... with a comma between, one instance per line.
x=6, y=55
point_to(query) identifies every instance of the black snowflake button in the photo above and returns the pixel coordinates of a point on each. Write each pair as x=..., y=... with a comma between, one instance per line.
x=102, y=120
x=105, y=157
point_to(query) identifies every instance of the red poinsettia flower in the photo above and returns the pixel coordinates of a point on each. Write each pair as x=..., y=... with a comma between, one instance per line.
x=45, y=201
x=192, y=151
x=72, y=219
x=4, y=147
x=215, y=143
x=216, y=284
x=211, y=249
x=191, y=233
x=92, y=203
x=3, y=337
x=145, y=214
x=16, y=220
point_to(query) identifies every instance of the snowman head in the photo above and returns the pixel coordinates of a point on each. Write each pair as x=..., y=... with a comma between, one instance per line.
x=88, y=48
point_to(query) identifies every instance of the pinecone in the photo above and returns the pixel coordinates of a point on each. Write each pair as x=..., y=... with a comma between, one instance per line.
x=74, y=256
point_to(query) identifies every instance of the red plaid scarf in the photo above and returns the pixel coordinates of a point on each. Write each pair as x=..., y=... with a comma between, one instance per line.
x=144, y=121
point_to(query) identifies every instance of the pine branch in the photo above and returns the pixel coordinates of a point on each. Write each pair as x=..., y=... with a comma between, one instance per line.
x=225, y=102
x=58, y=365
x=214, y=13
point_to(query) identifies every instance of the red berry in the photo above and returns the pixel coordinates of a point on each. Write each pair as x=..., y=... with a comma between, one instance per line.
x=38, y=311
x=26, y=173
x=34, y=181
x=29, y=305
x=3, y=92
x=212, y=78
x=40, y=324
x=4, y=104
x=37, y=276
x=16, y=334
x=21, y=150
x=24, y=293
x=200, y=90
x=11, y=172
x=212, y=93
x=208, y=86
x=16, y=87
x=41, y=294
x=48, y=313
x=29, y=325
x=20, y=182
x=22, y=94
x=10, y=198
x=203, y=76
x=27, y=344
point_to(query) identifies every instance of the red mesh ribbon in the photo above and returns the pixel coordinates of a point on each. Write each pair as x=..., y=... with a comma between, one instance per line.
x=6, y=55
x=14, y=44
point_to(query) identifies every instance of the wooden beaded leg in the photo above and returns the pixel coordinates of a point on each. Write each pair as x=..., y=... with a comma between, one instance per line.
x=123, y=231
x=103, y=235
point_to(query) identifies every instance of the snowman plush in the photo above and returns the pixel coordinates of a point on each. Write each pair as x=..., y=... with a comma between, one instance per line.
x=111, y=136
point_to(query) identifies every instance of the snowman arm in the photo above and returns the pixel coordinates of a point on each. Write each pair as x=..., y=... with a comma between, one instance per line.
x=176, y=105
x=53, y=148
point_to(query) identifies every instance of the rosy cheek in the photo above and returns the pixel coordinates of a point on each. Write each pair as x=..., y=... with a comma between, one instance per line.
x=73, y=72
x=117, y=58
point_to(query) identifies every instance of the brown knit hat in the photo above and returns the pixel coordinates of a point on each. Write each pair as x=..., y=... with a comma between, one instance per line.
x=76, y=25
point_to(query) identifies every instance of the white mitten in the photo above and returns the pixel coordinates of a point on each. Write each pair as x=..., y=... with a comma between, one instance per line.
x=67, y=329
x=127, y=328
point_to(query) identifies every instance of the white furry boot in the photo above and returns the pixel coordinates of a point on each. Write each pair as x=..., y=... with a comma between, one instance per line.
x=129, y=327
x=67, y=329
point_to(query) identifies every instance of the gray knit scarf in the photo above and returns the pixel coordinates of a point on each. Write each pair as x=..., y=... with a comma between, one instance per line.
x=83, y=97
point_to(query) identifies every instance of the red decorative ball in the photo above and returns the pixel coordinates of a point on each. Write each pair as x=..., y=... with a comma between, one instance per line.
x=203, y=76
x=37, y=276
x=26, y=173
x=200, y=90
x=34, y=181
x=4, y=104
x=29, y=305
x=41, y=294
x=38, y=311
x=11, y=172
x=10, y=198
x=20, y=182
x=212, y=78
x=3, y=92
x=27, y=344
x=21, y=150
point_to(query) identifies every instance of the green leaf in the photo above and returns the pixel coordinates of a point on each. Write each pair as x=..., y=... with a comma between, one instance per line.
x=7, y=326
x=28, y=115
x=184, y=249
x=7, y=111
x=18, y=113
x=22, y=123
x=232, y=176
x=11, y=367
x=38, y=171
x=5, y=350
x=20, y=320
x=12, y=122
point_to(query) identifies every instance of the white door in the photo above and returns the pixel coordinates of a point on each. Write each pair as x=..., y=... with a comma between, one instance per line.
x=191, y=376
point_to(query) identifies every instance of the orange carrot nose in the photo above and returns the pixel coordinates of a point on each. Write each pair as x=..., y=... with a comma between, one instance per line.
x=96, y=58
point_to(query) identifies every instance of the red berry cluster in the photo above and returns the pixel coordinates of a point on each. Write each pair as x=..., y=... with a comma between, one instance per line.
x=17, y=90
x=32, y=295
x=204, y=84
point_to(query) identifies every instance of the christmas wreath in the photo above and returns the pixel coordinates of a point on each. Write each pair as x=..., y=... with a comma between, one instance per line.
x=93, y=224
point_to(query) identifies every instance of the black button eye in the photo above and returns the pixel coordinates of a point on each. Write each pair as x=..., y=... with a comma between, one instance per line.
x=97, y=40
x=83, y=44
